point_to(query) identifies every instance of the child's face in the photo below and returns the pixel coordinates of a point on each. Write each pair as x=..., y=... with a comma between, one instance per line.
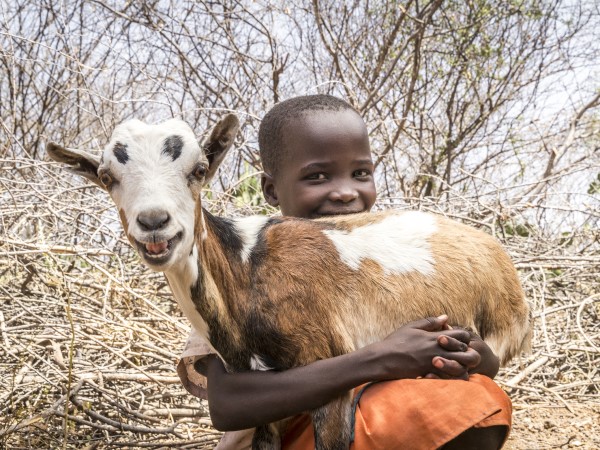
x=328, y=168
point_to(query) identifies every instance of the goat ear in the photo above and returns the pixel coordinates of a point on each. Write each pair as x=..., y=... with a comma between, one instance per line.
x=79, y=162
x=220, y=140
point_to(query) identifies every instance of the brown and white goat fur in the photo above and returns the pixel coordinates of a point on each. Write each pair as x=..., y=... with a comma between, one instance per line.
x=274, y=293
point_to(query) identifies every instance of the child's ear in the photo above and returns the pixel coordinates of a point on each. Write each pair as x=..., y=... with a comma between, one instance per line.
x=268, y=189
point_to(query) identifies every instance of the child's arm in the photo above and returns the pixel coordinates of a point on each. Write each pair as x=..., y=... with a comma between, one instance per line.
x=248, y=399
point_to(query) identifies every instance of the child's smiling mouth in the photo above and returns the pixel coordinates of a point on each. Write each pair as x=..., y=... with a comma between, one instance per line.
x=337, y=212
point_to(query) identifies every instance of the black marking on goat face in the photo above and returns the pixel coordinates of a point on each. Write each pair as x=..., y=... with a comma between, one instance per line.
x=120, y=152
x=172, y=146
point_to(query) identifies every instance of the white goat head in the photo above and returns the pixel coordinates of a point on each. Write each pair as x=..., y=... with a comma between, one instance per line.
x=154, y=174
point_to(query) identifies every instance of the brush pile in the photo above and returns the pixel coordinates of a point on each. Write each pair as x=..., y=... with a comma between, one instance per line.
x=89, y=338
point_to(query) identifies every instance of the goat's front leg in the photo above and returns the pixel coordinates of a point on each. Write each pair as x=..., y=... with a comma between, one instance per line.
x=267, y=437
x=332, y=424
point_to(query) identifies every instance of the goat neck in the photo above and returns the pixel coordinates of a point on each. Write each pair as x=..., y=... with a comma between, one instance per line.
x=211, y=285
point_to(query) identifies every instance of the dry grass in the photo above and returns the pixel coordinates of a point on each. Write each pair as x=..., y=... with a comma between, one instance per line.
x=90, y=338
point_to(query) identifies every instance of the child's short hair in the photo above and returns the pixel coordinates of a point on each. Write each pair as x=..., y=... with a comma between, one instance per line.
x=270, y=136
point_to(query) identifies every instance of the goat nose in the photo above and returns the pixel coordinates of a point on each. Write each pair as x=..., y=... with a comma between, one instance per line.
x=153, y=220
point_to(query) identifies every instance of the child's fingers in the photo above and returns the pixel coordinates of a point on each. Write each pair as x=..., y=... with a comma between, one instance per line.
x=470, y=358
x=432, y=376
x=451, y=344
x=430, y=323
x=458, y=334
x=447, y=368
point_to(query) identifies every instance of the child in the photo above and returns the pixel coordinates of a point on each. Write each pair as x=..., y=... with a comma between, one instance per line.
x=317, y=162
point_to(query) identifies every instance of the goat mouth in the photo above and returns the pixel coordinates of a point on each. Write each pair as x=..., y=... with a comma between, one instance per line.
x=157, y=253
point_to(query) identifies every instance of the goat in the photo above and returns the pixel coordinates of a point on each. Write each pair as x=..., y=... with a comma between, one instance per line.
x=275, y=293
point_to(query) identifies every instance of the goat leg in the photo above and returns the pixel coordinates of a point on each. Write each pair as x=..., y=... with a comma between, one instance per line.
x=332, y=424
x=267, y=437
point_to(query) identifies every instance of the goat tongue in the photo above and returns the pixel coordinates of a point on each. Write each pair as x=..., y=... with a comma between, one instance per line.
x=156, y=248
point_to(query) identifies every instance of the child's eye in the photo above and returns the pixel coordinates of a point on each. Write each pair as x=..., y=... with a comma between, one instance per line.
x=316, y=176
x=362, y=173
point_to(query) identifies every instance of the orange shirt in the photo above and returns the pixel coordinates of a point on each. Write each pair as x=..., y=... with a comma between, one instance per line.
x=415, y=414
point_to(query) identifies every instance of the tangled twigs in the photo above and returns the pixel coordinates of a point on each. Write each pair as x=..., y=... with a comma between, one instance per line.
x=127, y=332
x=590, y=300
x=112, y=425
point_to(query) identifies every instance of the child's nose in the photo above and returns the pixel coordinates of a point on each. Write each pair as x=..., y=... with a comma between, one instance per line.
x=343, y=194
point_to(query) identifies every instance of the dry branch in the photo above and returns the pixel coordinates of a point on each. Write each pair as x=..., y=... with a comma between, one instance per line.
x=451, y=94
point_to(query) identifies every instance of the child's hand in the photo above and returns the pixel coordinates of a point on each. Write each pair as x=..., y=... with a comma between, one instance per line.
x=461, y=360
x=410, y=351
x=489, y=363
x=478, y=358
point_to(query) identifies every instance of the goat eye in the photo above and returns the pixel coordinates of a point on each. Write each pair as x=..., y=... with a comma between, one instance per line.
x=106, y=179
x=199, y=171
